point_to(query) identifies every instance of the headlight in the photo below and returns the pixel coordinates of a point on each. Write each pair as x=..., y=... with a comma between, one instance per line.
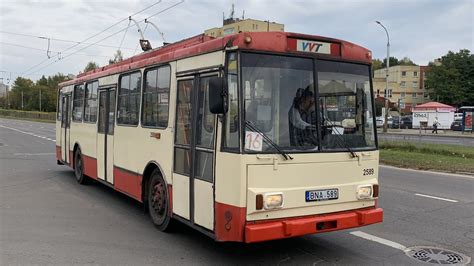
x=273, y=200
x=364, y=192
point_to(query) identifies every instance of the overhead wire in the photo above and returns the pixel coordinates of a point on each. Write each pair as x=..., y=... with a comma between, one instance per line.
x=61, y=40
x=115, y=33
x=43, y=50
x=124, y=34
x=94, y=35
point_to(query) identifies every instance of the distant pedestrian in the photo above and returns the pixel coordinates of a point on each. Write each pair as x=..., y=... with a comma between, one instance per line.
x=435, y=125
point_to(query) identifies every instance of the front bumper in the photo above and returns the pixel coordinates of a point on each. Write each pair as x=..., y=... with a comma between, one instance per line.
x=284, y=228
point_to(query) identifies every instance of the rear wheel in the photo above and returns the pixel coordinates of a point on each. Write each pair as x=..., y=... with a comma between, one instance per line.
x=79, y=168
x=158, y=202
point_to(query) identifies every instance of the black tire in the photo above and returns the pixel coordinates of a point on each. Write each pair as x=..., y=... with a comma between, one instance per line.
x=158, y=202
x=81, y=178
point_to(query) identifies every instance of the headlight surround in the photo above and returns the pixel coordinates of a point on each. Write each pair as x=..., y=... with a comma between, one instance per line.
x=364, y=192
x=272, y=201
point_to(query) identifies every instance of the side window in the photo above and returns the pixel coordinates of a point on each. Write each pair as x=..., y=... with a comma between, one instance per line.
x=58, y=106
x=78, y=103
x=90, y=109
x=231, y=129
x=129, y=99
x=156, y=97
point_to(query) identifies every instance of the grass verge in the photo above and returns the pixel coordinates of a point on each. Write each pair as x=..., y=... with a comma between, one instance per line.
x=438, y=157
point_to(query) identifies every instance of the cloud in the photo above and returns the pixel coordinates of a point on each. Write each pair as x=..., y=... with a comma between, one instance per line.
x=422, y=30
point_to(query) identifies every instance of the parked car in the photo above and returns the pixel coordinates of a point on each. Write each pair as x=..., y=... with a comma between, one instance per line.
x=456, y=125
x=395, y=122
x=379, y=121
x=406, y=122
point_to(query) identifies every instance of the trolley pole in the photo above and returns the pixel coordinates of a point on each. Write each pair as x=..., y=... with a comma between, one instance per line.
x=385, y=124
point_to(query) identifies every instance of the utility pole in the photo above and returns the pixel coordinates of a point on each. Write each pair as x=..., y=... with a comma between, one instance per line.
x=22, y=99
x=39, y=87
x=385, y=124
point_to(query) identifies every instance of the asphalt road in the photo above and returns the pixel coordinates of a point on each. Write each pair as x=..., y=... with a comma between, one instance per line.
x=427, y=139
x=47, y=218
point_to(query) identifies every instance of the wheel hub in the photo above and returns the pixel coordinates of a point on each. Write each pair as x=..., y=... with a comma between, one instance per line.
x=159, y=199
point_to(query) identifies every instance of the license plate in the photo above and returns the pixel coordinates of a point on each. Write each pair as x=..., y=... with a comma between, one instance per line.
x=320, y=195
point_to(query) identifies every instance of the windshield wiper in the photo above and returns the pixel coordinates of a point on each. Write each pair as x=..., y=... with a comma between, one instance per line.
x=341, y=139
x=268, y=140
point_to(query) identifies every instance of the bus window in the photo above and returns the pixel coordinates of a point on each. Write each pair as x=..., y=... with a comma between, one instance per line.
x=156, y=97
x=78, y=103
x=231, y=131
x=182, y=161
x=58, y=106
x=204, y=134
x=129, y=99
x=90, y=109
x=272, y=85
x=345, y=104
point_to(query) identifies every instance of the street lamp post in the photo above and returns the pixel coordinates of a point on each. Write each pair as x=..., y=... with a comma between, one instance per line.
x=385, y=124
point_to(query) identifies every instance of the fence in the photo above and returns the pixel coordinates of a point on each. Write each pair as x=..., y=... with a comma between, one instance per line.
x=28, y=114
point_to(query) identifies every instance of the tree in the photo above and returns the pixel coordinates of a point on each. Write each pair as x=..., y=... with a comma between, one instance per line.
x=91, y=66
x=376, y=64
x=452, y=81
x=407, y=62
x=392, y=60
x=22, y=89
x=117, y=57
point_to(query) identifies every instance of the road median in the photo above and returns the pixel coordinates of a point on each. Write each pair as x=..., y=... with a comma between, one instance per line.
x=437, y=157
x=49, y=117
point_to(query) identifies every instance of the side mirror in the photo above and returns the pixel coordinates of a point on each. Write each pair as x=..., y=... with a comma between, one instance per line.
x=217, y=95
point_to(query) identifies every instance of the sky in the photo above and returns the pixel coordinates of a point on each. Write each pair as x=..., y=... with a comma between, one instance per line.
x=422, y=30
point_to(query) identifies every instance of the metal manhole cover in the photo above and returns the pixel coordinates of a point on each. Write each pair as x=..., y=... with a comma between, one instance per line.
x=436, y=255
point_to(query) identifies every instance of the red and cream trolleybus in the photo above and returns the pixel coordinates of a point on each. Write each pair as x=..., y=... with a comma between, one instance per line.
x=249, y=137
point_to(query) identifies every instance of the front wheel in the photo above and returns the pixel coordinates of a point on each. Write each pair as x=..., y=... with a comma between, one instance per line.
x=79, y=168
x=158, y=202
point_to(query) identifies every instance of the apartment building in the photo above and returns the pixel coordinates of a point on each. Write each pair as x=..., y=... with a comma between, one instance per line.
x=235, y=25
x=406, y=85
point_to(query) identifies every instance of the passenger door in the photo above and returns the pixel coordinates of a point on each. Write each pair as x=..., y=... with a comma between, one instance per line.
x=65, y=127
x=193, y=179
x=105, y=135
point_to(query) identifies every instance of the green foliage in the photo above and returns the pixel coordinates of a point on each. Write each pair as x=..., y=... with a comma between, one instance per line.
x=452, y=82
x=117, y=57
x=376, y=64
x=90, y=66
x=393, y=62
x=30, y=90
x=407, y=62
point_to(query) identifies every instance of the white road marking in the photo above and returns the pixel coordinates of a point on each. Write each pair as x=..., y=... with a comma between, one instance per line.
x=433, y=197
x=28, y=154
x=27, y=133
x=425, y=171
x=380, y=240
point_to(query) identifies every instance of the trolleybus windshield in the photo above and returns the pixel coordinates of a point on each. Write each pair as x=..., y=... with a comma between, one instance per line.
x=280, y=99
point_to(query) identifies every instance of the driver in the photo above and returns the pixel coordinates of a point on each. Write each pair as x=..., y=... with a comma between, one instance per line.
x=300, y=119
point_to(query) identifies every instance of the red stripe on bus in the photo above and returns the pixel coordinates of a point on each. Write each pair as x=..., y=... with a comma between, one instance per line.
x=291, y=227
x=170, y=199
x=90, y=166
x=71, y=159
x=229, y=222
x=335, y=49
x=128, y=183
x=58, y=153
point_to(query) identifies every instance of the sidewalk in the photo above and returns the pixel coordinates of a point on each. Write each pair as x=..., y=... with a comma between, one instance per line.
x=441, y=133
